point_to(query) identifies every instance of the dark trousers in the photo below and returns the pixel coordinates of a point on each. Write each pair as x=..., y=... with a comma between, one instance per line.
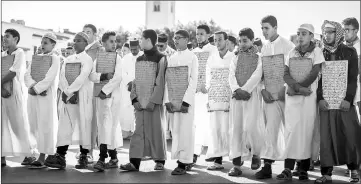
x=268, y=161
x=304, y=164
x=136, y=162
x=61, y=150
x=181, y=165
x=104, y=153
x=328, y=170
x=237, y=161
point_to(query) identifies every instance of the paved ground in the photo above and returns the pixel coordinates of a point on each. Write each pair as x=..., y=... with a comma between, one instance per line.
x=15, y=173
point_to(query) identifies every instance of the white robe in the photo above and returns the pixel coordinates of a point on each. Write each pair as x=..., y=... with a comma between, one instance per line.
x=127, y=119
x=218, y=128
x=274, y=112
x=182, y=124
x=15, y=130
x=201, y=115
x=75, y=119
x=42, y=110
x=108, y=110
x=300, y=116
x=358, y=93
x=246, y=118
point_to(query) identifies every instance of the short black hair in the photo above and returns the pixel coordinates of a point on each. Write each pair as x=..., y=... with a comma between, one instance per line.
x=183, y=32
x=257, y=42
x=13, y=33
x=189, y=45
x=270, y=19
x=211, y=38
x=351, y=21
x=107, y=34
x=246, y=32
x=91, y=26
x=204, y=27
x=151, y=34
x=52, y=41
x=232, y=39
x=225, y=35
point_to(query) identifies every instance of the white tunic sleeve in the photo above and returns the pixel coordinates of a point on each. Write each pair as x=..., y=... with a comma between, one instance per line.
x=192, y=86
x=63, y=83
x=29, y=81
x=232, y=74
x=49, y=77
x=19, y=62
x=86, y=68
x=94, y=76
x=116, y=80
x=165, y=98
x=254, y=80
x=319, y=58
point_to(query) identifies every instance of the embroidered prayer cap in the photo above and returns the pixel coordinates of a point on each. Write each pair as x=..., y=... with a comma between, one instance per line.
x=340, y=32
x=83, y=35
x=133, y=42
x=308, y=27
x=51, y=36
x=163, y=38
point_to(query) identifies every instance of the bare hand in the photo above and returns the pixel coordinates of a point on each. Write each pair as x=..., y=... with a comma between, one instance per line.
x=305, y=91
x=32, y=92
x=44, y=93
x=150, y=107
x=291, y=92
x=345, y=105
x=137, y=106
x=5, y=93
x=64, y=97
x=102, y=95
x=267, y=97
x=203, y=89
x=184, y=109
x=281, y=94
x=323, y=105
x=130, y=86
x=74, y=98
x=169, y=107
x=244, y=95
x=110, y=76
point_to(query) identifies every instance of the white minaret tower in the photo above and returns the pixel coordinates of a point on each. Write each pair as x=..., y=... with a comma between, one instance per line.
x=159, y=14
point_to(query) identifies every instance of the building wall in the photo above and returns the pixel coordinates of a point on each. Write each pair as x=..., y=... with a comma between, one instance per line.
x=28, y=41
x=164, y=18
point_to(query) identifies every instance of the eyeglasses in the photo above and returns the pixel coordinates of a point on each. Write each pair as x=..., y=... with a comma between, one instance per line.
x=348, y=30
x=177, y=38
x=161, y=46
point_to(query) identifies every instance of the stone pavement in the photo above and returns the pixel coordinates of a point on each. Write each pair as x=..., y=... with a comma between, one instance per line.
x=15, y=173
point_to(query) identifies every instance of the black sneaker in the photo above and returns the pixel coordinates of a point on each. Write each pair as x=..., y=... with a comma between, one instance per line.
x=195, y=157
x=82, y=162
x=265, y=172
x=56, y=161
x=28, y=160
x=303, y=176
x=210, y=159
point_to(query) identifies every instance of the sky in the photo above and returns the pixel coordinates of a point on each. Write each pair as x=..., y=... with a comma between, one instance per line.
x=231, y=15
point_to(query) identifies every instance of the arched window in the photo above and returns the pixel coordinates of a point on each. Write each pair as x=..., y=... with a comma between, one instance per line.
x=156, y=7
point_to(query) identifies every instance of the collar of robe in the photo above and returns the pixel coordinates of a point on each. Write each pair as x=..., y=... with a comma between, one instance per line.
x=201, y=45
x=309, y=49
x=252, y=50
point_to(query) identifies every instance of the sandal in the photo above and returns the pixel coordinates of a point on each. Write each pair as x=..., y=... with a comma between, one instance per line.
x=285, y=175
x=354, y=177
x=159, y=167
x=235, y=172
x=323, y=179
x=215, y=167
x=179, y=171
x=37, y=165
x=128, y=167
x=189, y=167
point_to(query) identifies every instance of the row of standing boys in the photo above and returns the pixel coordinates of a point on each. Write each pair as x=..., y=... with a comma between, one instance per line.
x=257, y=122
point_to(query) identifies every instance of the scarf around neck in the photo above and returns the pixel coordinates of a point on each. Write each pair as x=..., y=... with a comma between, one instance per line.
x=252, y=50
x=309, y=49
x=201, y=45
x=340, y=32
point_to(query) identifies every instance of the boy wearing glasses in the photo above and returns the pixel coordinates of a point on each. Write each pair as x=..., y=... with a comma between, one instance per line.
x=76, y=108
x=182, y=122
x=340, y=130
x=273, y=108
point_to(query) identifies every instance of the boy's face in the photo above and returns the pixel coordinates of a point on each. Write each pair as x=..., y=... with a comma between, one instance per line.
x=180, y=42
x=79, y=44
x=351, y=32
x=46, y=45
x=268, y=31
x=330, y=35
x=220, y=42
x=125, y=50
x=89, y=32
x=230, y=45
x=110, y=44
x=201, y=35
x=145, y=43
x=120, y=41
x=245, y=43
x=9, y=40
x=161, y=46
x=304, y=37
x=134, y=50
